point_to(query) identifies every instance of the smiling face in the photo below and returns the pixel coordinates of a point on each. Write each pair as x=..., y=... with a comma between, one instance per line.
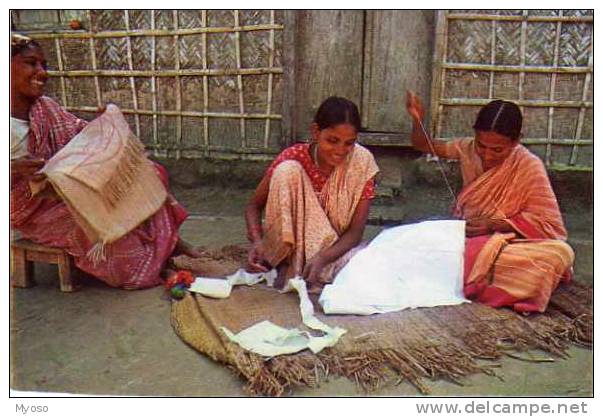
x=493, y=148
x=28, y=74
x=334, y=143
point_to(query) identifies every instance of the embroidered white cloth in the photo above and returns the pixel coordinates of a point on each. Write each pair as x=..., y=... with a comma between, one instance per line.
x=416, y=265
x=266, y=338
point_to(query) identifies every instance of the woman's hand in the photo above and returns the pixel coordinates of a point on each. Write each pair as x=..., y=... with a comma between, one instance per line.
x=26, y=167
x=477, y=227
x=313, y=268
x=414, y=107
x=484, y=226
x=256, y=260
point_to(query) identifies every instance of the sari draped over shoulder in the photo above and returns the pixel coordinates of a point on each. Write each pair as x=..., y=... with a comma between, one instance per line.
x=523, y=268
x=300, y=222
x=131, y=262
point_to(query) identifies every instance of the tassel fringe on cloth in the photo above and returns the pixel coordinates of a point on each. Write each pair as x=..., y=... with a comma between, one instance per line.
x=448, y=342
x=106, y=180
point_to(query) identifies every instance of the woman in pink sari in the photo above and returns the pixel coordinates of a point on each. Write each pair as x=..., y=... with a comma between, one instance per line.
x=39, y=129
x=515, y=252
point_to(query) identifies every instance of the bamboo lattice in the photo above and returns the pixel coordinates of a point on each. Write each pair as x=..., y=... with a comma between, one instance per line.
x=191, y=82
x=540, y=59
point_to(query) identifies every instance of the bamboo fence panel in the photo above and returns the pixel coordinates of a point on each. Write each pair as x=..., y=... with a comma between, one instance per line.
x=97, y=90
x=270, y=80
x=542, y=60
x=131, y=68
x=60, y=63
x=582, y=110
x=205, y=85
x=552, y=92
x=181, y=77
x=239, y=78
x=154, y=80
x=178, y=85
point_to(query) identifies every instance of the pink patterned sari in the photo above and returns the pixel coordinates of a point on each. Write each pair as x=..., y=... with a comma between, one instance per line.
x=132, y=262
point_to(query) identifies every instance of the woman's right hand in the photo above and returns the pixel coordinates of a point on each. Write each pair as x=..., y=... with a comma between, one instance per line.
x=255, y=258
x=414, y=107
x=26, y=167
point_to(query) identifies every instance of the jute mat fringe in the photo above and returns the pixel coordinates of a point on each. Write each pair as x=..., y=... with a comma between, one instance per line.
x=448, y=342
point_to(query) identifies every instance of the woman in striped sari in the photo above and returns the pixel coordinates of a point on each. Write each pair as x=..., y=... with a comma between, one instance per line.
x=515, y=253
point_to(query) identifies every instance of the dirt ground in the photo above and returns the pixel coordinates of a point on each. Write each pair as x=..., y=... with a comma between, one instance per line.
x=104, y=341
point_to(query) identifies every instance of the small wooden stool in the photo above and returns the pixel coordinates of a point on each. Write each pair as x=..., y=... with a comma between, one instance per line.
x=25, y=253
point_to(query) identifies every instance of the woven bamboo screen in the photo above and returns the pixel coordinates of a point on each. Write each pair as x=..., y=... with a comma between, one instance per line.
x=540, y=59
x=191, y=82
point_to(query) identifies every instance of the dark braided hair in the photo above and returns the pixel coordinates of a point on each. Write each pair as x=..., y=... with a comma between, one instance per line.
x=336, y=110
x=20, y=43
x=502, y=117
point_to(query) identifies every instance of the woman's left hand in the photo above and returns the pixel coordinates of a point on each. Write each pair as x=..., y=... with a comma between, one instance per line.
x=100, y=110
x=313, y=268
x=26, y=168
x=477, y=227
x=483, y=226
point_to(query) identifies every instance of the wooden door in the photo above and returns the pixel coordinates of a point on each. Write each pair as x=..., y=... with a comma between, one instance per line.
x=398, y=51
x=328, y=61
x=369, y=57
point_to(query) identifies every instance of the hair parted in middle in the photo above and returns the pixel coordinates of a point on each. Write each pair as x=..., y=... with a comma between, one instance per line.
x=337, y=110
x=500, y=116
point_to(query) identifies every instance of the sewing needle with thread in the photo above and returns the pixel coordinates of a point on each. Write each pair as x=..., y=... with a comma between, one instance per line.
x=429, y=142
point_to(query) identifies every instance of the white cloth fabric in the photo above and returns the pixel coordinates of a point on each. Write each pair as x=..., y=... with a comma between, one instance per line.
x=221, y=288
x=416, y=265
x=266, y=338
x=18, y=138
x=18, y=149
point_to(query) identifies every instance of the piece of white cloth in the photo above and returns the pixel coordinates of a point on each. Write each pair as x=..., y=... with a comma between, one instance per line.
x=331, y=334
x=19, y=130
x=266, y=338
x=416, y=265
x=221, y=287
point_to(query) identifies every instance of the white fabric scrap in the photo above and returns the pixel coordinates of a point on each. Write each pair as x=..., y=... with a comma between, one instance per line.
x=266, y=338
x=19, y=133
x=332, y=334
x=221, y=287
x=416, y=265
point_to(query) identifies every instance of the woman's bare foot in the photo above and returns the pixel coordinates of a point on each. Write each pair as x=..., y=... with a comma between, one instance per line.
x=184, y=248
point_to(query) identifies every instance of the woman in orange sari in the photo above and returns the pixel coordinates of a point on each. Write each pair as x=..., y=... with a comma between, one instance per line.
x=316, y=198
x=515, y=253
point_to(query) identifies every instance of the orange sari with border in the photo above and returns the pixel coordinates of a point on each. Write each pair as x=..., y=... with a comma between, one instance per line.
x=519, y=269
